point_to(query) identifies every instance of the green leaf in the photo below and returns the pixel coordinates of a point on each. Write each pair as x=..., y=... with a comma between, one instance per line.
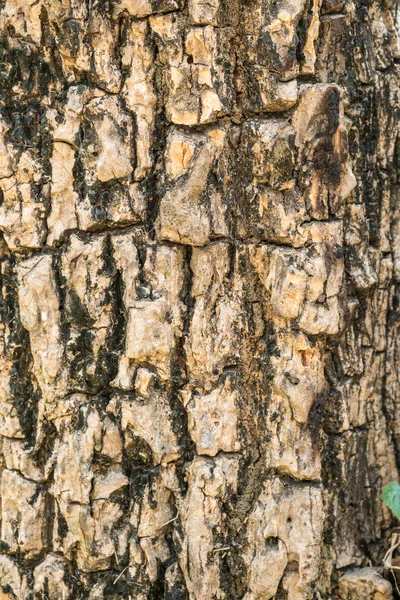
x=391, y=497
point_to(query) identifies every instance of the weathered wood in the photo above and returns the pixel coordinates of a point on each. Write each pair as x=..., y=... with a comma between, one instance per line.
x=200, y=271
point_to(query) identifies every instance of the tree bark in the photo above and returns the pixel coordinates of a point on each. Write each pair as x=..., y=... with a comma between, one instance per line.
x=200, y=269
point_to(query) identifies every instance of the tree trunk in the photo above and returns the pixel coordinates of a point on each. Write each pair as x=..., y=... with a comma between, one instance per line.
x=200, y=285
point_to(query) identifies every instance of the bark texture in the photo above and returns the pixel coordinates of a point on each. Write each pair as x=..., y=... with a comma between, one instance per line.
x=200, y=286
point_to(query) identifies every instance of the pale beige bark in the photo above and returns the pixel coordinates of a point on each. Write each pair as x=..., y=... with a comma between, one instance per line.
x=200, y=266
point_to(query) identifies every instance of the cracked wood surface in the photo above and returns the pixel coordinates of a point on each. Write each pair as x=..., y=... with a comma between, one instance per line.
x=199, y=310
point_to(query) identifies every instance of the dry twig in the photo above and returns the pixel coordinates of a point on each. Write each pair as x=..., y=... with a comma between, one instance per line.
x=388, y=558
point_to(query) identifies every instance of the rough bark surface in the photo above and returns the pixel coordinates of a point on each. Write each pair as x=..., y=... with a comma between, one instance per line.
x=200, y=296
